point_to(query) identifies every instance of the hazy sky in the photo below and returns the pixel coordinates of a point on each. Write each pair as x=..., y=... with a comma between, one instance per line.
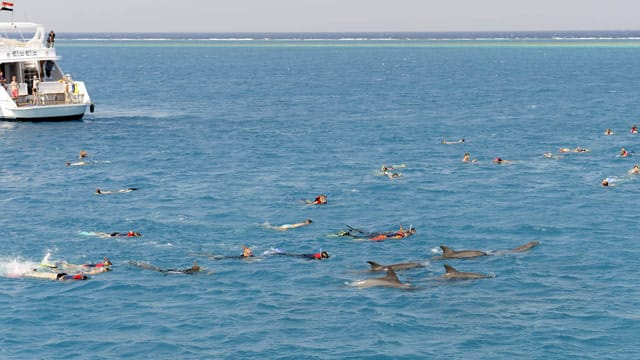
x=326, y=15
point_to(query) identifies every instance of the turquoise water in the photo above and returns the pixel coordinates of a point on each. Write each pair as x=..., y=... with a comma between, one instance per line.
x=224, y=139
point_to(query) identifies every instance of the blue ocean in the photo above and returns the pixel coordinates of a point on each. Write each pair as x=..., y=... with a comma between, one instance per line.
x=226, y=136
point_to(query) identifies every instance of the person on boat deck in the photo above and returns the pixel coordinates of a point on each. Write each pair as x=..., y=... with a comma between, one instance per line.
x=634, y=129
x=291, y=226
x=34, y=89
x=3, y=80
x=51, y=39
x=319, y=200
x=14, y=87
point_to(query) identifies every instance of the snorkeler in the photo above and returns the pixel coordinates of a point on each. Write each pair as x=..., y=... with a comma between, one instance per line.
x=378, y=236
x=501, y=161
x=246, y=254
x=291, y=226
x=452, y=142
x=106, y=192
x=131, y=233
x=189, y=271
x=55, y=276
x=77, y=163
x=317, y=256
x=319, y=200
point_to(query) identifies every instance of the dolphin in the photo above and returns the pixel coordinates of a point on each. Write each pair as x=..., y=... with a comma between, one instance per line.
x=389, y=280
x=396, y=267
x=453, y=274
x=448, y=253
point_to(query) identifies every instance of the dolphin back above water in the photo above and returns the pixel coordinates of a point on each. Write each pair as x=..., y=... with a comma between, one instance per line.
x=396, y=267
x=389, y=280
x=453, y=274
x=448, y=253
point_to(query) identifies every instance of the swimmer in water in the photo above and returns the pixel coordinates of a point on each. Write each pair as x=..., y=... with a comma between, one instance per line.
x=501, y=161
x=467, y=158
x=189, y=271
x=77, y=163
x=624, y=152
x=635, y=170
x=634, y=129
x=55, y=276
x=319, y=200
x=378, y=236
x=452, y=142
x=607, y=182
x=83, y=154
x=107, y=192
x=291, y=226
x=317, y=256
x=98, y=267
x=246, y=254
x=608, y=132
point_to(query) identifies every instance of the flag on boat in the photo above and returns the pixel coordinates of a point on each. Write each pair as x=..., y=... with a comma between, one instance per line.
x=7, y=6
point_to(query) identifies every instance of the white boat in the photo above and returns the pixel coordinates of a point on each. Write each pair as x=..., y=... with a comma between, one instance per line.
x=57, y=96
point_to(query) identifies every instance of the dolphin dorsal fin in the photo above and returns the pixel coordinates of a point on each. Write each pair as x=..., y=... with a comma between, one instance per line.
x=450, y=269
x=446, y=250
x=391, y=276
x=374, y=265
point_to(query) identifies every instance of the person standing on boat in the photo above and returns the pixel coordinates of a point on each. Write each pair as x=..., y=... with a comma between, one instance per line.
x=51, y=39
x=14, y=87
x=3, y=80
x=34, y=89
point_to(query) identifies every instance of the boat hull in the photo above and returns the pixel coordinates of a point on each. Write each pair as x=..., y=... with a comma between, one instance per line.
x=45, y=113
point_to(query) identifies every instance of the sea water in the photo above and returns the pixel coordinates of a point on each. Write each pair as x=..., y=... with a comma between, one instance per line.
x=226, y=138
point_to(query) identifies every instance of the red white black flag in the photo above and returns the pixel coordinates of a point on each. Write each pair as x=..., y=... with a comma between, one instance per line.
x=7, y=6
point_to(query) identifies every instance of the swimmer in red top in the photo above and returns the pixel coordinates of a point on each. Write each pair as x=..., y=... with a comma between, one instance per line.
x=319, y=200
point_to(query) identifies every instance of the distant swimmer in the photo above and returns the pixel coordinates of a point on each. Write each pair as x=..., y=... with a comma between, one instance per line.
x=315, y=256
x=499, y=160
x=635, y=170
x=578, y=149
x=105, y=263
x=110, y=235
x=608, y=132
x=467, y=158
x=393, y=175
x=107, y=192
x=56, y=276
x=246, y=254
x=77, y=163
x=378, y=236
x=550, y=155
x=634, y=129
x=607, y=182
x=189, y=271
x=319, y=200
x=452, y=142
x=291, y=226
x=624, y=152
x=386, y=168
x=83, y=154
